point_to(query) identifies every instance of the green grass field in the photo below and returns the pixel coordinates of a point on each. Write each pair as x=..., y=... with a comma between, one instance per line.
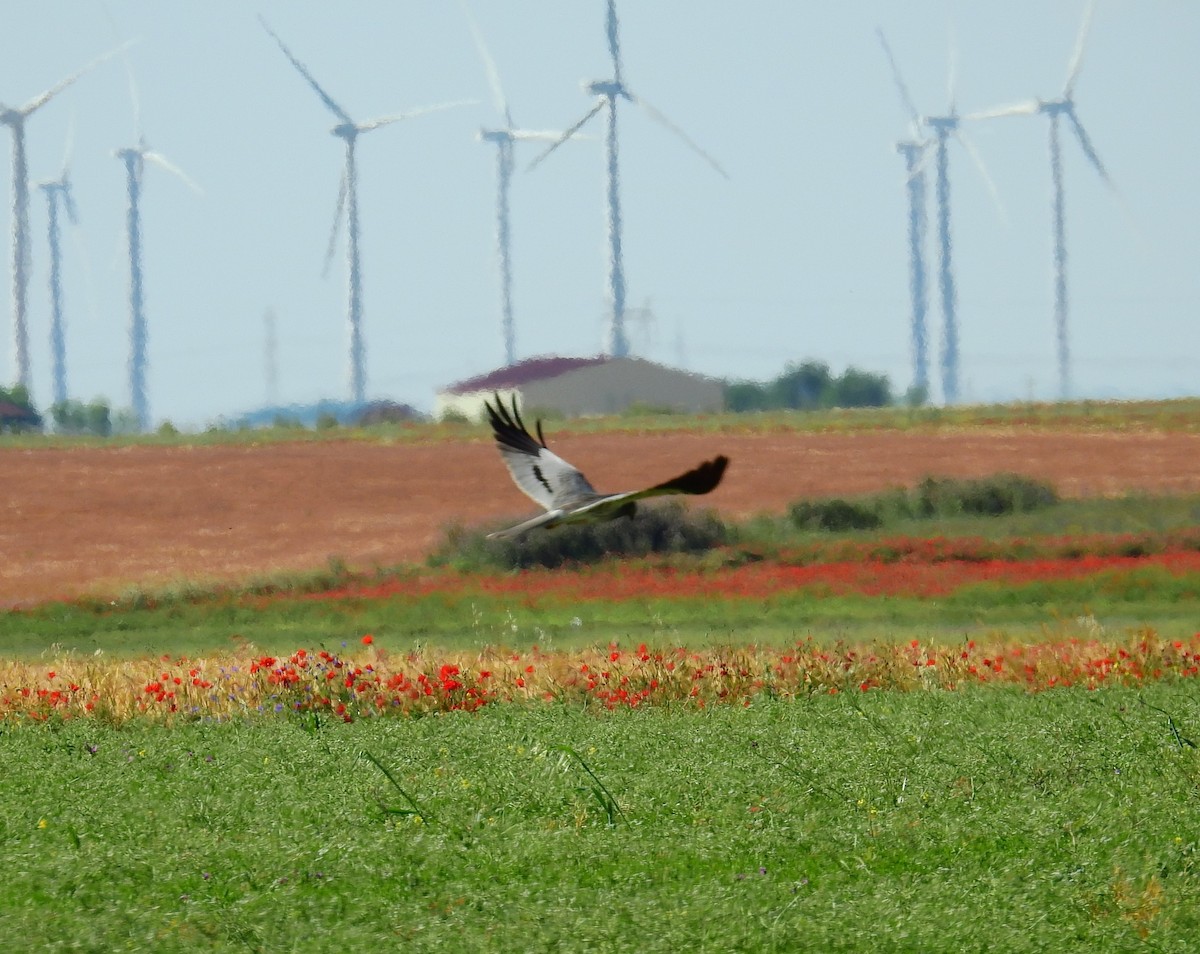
x=973, y=820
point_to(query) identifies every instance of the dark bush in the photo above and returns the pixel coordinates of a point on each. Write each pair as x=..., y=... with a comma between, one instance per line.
x=834, y=514
x=666, y=528
x=933, y=497
x=984, y=496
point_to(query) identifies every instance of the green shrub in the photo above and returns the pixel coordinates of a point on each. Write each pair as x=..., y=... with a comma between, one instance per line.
x=834, y=514
x=933, y=497
x=667, y=528
x=983, y=496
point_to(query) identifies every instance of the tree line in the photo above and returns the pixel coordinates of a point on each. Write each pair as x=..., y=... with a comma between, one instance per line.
x=810, y=386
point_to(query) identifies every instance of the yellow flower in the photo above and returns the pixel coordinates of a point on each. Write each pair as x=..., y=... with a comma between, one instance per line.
x=41, y=823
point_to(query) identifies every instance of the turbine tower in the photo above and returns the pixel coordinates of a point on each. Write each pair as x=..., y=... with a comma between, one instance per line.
x=1055, y=110
x=914, y=152
x=504, y=137
x=56, y=191
x=944, y=127
x=134, y=159
x=607, y=93
x=14, y=117
x=348, y=131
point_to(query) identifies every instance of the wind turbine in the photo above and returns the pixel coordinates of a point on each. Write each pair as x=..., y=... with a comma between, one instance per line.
x=944, y=127
x=1055, y=110
x=348, y=130
x=914, y=152
x=607, y=93
x=57, y=190
x=15, y=117
x=135, y=158
x=504, y=137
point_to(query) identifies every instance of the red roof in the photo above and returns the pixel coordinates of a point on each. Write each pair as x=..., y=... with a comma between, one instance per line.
x=524, y=372
x=15, y=412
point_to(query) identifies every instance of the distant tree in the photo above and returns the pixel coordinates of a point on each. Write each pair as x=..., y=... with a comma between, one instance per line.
x=67, y=416
x=742, y=396
x=802, y=387
x=808, y=386
x=124, y=421
x=917, y=395
x=75, y=417
x=857, y=388
x=98, y=418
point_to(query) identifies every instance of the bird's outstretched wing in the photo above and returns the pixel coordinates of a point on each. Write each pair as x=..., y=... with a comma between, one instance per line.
x=562, y=490
x=542, y=475
x=699, y=480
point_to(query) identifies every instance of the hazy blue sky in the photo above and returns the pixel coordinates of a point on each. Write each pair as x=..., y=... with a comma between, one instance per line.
x=801, y=253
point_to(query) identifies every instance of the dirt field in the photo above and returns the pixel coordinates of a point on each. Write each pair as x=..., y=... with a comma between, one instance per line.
x=97, y=520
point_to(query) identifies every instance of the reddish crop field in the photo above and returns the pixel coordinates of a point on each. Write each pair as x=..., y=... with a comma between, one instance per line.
x=93, y=520
x=371, y=683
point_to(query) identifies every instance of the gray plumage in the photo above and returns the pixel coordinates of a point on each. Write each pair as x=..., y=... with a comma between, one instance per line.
x=561, y=490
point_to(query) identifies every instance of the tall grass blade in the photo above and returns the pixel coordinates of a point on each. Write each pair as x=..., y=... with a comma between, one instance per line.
x=414, y=809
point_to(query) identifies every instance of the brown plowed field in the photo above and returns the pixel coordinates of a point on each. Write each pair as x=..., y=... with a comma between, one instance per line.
x=96, y=520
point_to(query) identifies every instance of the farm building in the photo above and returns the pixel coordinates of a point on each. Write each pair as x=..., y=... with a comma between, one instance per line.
x=18, y=417
x=575, y=387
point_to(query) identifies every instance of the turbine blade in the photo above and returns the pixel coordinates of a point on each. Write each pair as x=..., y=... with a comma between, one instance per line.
x=489, y=66
x=163, y=163
x=905, y=98
x=411, y=114
x=543, y=135
x=568, y=134
x=614, y=42
x=657, y=116
x=333, y=229
x=983, y=172
x=952, y=69
x=303, y=70
x=1076, y=62
x=1027, y=108
x=44, y=97
x=1089, y=150
x=135, y=100
x=69, y=199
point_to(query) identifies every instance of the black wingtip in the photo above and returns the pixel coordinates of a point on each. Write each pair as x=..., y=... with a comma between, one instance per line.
x=508, y=428
x=699, y=480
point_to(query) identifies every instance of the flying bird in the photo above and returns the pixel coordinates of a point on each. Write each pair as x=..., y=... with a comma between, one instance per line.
x=562, y=490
